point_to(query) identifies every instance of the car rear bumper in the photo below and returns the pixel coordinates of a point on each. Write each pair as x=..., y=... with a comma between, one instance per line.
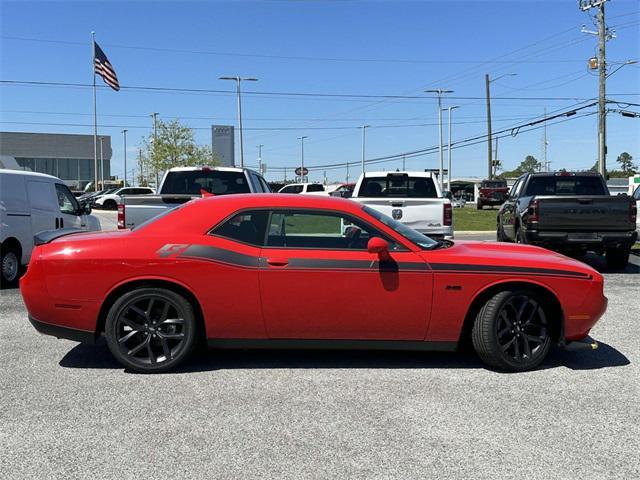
x=63, y=332
x=577, y=238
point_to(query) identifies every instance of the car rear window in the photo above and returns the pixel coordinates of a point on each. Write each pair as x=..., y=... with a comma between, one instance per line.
x=315, y=187
x=213, y=181
x=398, y=186
x=493, y=184
x=565, y=185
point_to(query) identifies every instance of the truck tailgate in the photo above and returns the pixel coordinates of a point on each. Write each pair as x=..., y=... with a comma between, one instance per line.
x=423, y=214
x=585, y=213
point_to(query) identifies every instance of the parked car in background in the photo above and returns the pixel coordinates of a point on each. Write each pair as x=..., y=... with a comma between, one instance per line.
x=110, y=200
x=492, y=192
x=314, y=188
x=231, y=270
x=181, y=184
x=569, y=212
x=31, y=203
x=413, y=198
x=86, y=197
x=459, y=202
x=345, y=190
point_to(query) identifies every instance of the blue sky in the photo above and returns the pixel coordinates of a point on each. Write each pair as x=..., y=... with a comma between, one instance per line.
x=349, y=47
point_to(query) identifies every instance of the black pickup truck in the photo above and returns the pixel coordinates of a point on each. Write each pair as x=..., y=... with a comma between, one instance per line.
x=569, y=212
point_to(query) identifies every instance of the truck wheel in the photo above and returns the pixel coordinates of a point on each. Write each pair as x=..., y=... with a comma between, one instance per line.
x=500, y=235
x=479, y=205
x=151, y=330
x=10, y=261
x=511, y=331
x=520, y=238
x=618, y=258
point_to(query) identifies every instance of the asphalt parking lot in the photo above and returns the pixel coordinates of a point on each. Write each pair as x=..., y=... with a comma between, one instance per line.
x=69, y=411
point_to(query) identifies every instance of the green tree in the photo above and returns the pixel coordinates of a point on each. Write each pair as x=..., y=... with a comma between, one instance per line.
x=529, y=165
x=175, y=146
x=626, y=163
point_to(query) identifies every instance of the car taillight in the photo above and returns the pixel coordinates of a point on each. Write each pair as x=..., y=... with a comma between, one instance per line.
x=121, y=224
x=633, y=212
x=448, y=215
x=533, y=212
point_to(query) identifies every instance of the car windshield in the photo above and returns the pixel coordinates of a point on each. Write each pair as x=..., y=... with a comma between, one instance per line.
x=213, y=181
x=398, y=185
x=565, y=185
x=409, y=233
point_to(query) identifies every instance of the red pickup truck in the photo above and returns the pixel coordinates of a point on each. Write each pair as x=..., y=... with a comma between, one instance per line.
x=492, y=192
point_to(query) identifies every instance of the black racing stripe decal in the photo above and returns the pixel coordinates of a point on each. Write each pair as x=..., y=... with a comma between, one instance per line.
x=461, y=268
x=220, y=255
x=355, y=264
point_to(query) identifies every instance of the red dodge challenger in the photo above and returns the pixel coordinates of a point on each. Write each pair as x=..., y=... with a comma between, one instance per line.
x=296, y=271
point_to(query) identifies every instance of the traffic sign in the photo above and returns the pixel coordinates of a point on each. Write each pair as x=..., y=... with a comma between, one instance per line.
x=300, y=172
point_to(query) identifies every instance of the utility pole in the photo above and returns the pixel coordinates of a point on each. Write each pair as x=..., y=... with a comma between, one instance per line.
x=439, y=92
x=544, y=145
x=364, y=129
x=488, y=82
x=602, y=103
x=124, y=134
x=449, y=166
x=238, y=80
x=495, y=158
x=603, y=35
x=403, y=163
x=347, y=173
x=155, y=140
x=141, y=168
x=302, y=158
x=260, y=158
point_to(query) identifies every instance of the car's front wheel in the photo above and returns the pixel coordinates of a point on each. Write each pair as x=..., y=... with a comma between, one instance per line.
x=151, y=330
x=511, y=332
x=110, y=205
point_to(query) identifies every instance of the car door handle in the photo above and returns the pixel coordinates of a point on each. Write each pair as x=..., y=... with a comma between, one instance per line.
x=278, y=262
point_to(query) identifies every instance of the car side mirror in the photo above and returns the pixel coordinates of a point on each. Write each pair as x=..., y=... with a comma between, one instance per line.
x=85, y=209
x=379, y=246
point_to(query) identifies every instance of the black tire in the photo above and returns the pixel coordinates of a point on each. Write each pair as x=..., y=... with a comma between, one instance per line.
x=110, y=205
x=618, y=258
x=479, y=205
x=500, y=235
x=10, y=267
x=519, y=237
x=151, y=330
x=511, y=332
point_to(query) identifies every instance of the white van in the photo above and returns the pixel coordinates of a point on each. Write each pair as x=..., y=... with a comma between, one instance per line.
x=31, y=203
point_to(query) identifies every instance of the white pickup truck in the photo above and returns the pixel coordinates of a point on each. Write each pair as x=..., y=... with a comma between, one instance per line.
x=413, y=198
x=181, y=184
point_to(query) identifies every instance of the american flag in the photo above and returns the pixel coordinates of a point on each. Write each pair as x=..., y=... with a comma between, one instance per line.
x=103, y=67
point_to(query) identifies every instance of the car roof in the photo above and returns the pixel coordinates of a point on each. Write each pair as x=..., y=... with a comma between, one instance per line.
x=201, y=214
x=29, y=174
x=417, y=173
x=196, y=169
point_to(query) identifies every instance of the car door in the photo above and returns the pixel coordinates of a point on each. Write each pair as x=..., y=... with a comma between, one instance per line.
x=318, y=281
x=508, y=211
x=68, y=209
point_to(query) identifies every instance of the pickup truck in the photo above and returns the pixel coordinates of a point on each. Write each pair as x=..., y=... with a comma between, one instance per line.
x=413, y=198
x=182, y=184
x=492, y=192
x=569, y=212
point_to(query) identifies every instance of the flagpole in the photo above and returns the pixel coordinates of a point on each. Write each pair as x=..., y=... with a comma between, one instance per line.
x=95, y=113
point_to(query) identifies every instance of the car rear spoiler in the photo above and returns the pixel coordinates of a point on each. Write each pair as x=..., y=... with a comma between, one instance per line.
x=42, y=238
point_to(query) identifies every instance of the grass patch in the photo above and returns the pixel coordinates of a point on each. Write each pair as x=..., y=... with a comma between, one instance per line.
x=469, y=218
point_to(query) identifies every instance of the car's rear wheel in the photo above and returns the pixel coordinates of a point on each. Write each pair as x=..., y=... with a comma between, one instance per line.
x=10, y=261
x=151, y=330
x=110, y=205
x=479, y=205
x=512, y=332
x=618, y=258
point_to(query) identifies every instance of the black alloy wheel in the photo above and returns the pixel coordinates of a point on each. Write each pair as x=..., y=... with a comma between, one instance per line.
x=151, y=330
x=512, y=331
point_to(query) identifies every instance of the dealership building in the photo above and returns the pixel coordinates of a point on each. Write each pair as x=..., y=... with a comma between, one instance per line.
x=69, y=157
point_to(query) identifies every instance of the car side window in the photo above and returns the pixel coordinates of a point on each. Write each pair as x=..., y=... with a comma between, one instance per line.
x=319, y=230
x=264, y=184
x=245, y=227
x=315, y=187
x=66, y=201
x=636, y=194
x=515, y=191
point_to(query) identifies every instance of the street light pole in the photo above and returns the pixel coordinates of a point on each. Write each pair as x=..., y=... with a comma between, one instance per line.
x=124, y=134
x=238, y=80
x=302, y=158
x=488, y=82
x=260, y=158
x=101, y=164
x=364, y=129
x=439, y=92
x=449, y=160
x=155, y=140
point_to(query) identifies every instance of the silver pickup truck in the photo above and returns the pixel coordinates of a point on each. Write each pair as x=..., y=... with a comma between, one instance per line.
x=179, y=185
